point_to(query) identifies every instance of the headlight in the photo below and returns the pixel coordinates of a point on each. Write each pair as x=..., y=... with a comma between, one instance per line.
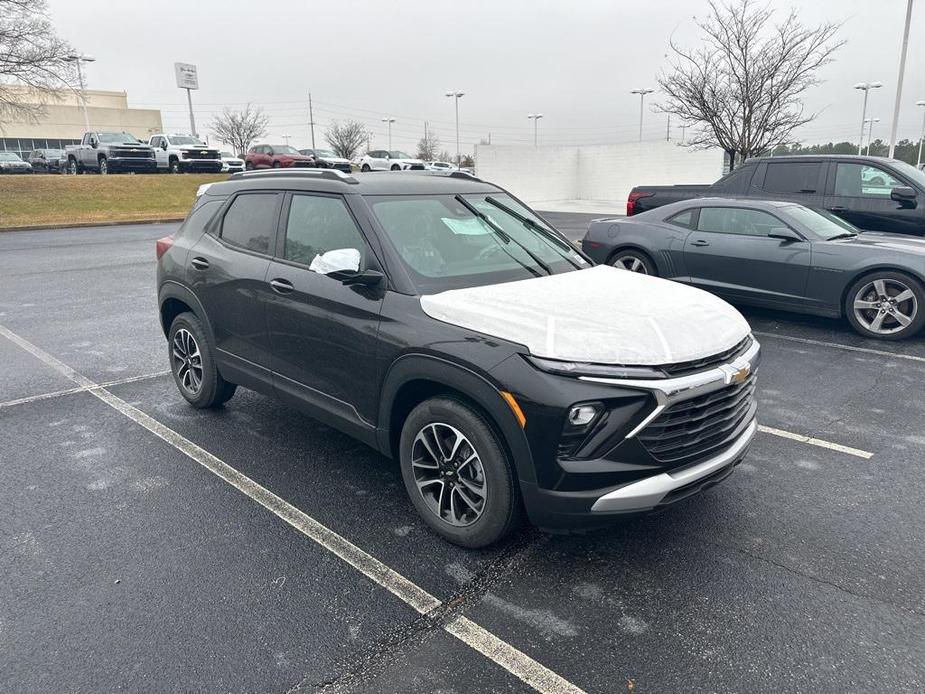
x=575, y=369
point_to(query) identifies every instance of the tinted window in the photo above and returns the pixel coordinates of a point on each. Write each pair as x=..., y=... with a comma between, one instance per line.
x=736, y=179
x=735, y=220
x=197, y=220
x=683, y=219
x=792, y=177
x=250, y=222
x=862, y=180
x=319, y=224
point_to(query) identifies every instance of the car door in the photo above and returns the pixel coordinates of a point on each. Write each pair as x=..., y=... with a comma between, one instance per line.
x=860, y=193
x=228, y=274
x=380, y=159
x=730, y=253
x=160, y=155
x=799, y=181
x=324, y=332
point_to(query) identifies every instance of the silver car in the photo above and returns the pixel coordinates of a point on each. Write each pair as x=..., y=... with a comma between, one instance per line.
x=10, y=163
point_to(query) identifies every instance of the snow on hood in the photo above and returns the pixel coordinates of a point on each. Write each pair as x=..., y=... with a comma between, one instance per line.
x=600, y=315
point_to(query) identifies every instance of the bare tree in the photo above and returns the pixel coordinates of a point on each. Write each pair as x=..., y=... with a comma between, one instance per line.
x=742, y=87
x=240, y=128
x=428, y=146
x=33, y=60
x=346, y=138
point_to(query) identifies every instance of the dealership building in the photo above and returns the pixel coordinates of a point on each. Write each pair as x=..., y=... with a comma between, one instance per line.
x=62, y=122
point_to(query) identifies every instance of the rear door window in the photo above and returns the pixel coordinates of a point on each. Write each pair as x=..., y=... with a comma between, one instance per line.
x=791, y=177
x=737, y=220
x=250, y=222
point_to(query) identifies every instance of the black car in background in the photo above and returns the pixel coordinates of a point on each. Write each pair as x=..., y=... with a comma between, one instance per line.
x=326, y=159
x=872, y=193
x=774, y=254
x=48, y=161
x=433, y=317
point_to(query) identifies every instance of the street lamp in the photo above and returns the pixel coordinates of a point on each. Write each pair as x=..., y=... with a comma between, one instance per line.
x=81, y=58
x=535, y=118
x=870, y=132
x=866, y=87
x=919, y=161
x=456, y=97
x=642, y=97
x=286, y=138
x=389, y=121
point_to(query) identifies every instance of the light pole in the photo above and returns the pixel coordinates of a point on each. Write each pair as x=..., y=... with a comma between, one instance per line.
x=899, y=80
x=456, y=97
x=389, y=121
x=81, y=58
x=535, y=117
x=866, y=87
x=919, y=160
x=870, y=132
x=286, y=138
x=642, y=91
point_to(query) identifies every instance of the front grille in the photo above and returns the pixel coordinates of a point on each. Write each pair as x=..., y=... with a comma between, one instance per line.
x=304, y=164
x=133, y=153
x=688, y=367
x=698, y=426
x=198, y=154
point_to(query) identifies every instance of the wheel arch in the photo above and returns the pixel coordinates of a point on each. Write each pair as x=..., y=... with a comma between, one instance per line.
x=630, y=246
x=174, y=299
x=861, y=273
x=414, y=378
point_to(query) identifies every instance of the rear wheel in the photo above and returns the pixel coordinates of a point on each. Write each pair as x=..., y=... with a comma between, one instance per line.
x=634, y=261
x=457, y=473
x=887, y=305
x=192, y=363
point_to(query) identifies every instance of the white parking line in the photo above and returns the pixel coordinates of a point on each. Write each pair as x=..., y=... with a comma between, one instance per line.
x=836, y=345
x=80, y=389
x=518, y=663
x=816, y=442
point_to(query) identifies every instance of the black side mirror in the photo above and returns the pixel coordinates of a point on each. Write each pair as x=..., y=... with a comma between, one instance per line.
x=94, y=144
x=904, y=195
x=784, y=234
x=368, y=278
x=164, y=146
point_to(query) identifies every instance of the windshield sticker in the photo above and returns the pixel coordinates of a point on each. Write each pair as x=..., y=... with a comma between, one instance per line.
x=465, y=227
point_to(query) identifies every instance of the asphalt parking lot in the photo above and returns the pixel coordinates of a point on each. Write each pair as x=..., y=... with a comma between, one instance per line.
x=147, y=546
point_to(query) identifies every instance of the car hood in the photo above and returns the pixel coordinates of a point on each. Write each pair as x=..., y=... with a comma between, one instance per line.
x=903, y=243
x=334, y=160
x=193, y=148
x=408, y=161
x=600, y=315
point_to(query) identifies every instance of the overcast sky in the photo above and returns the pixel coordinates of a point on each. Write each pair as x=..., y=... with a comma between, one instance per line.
x=574, y=61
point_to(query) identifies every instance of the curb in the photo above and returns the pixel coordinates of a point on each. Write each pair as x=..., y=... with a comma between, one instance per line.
x=84, y=225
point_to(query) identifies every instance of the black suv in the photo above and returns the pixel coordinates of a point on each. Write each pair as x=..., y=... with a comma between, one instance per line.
x=439, y=320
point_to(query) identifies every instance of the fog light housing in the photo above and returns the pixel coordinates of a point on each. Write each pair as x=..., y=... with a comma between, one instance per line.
x=580, y=421
x=582, y=415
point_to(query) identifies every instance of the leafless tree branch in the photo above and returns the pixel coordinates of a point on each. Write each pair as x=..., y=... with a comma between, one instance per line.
x=240, y=128
x=346, y=138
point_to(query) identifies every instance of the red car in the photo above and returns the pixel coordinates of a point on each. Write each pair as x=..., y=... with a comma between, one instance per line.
x=275, y=157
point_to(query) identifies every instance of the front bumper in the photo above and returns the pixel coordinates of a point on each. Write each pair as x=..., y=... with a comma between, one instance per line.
x=202, y=165
x=131, y=164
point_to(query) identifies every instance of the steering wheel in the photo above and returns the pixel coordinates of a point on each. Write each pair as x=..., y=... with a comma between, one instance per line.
x=488, y=252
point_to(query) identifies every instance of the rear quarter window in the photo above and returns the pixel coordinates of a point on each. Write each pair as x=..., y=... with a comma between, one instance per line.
x=199, y=217
x=250, y=222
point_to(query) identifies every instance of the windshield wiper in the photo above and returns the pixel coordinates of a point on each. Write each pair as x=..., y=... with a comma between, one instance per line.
x=504, y=236
x=551, y=239
x=846, y=235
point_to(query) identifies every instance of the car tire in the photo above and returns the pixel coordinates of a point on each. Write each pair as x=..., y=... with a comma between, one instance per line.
x=365, y=168
x=174, y=165
x=104, y=166
x=396, y=167
x=276, y=165
x=248, y=166
x=634, y=261
x=480, y=462
x=197, y=379
x=72, y=167
x=886, y=305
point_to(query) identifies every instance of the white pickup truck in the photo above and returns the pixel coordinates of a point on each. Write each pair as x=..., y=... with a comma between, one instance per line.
x=181, y=153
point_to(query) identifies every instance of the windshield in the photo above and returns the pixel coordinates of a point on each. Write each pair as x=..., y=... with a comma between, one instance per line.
x=917, y=176
x=399, y=155
x=445, y=246
x=118, y=138
x=325, y=153
x=284, y=149
x=823, y=224
x=228, y=155
x=186, y=140
x=54, y=153
x=9, y=156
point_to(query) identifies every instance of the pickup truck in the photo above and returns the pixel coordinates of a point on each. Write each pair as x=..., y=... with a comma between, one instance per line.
x=107, y=152
x=181, y=153
x=872, y=193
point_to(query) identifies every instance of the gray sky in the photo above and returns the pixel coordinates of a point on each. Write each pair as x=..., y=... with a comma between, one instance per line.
x=574, y=61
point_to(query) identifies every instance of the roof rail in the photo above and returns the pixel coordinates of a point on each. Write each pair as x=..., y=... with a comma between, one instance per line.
x=331, y=174
x=445, y=174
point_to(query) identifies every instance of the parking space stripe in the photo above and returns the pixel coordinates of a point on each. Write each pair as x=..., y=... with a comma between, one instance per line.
x=80, y=389
x=518, y=663
x=812, y=441
x=836, y=345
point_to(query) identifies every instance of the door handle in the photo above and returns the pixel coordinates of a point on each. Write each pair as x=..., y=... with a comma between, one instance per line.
x=700, y=243
x=836, y=208
x=199, y=263
x=281, y=286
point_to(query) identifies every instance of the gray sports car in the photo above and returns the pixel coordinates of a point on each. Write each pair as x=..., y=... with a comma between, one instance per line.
x=775, y=254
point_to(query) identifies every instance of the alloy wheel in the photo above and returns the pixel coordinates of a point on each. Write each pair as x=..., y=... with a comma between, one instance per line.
x=631, y=263
x=187, y=361
x=885, y=306
x=448, y=473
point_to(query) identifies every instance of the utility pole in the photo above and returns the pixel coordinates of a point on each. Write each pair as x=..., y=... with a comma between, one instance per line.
x=899, y=81
x=668, y=130
x=311, y=119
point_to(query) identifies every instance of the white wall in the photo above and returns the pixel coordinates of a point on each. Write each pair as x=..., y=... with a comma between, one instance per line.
x=594, y=172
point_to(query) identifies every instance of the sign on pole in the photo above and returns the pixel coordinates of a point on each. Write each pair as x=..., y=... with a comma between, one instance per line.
x=187, y=78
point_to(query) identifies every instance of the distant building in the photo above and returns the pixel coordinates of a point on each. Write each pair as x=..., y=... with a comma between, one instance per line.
x=63, y=121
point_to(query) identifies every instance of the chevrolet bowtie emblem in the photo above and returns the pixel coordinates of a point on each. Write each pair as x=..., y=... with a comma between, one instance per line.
x=736, y=373
x=741, y=374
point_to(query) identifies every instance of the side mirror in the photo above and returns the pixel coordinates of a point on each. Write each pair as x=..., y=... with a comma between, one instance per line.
x=164, y=146
x=367, y=278
x=904, y=195
x=93, y=143
x=784, y=234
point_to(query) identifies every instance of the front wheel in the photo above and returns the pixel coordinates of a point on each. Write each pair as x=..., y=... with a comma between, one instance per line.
x=457, y=473
x=396, y=167
x=104, y=166
x=634, y=261
x=886, y=305
x=248, y=166
x=72, y=167
x=192, y=362
x=365, y=168
x=174, y=166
